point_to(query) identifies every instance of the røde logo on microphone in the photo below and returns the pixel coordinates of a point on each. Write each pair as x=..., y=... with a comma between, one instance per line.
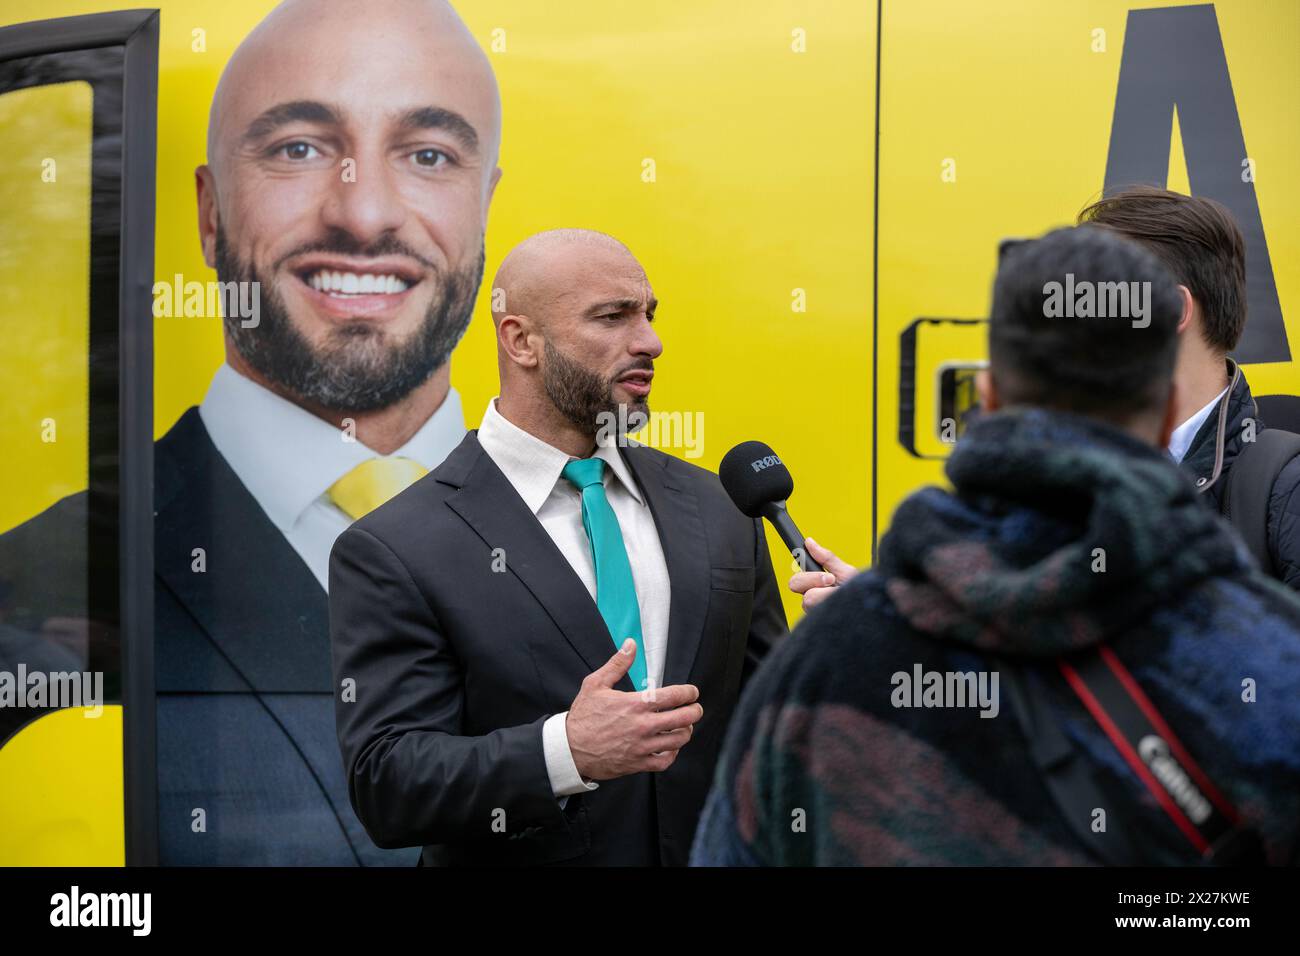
x=767, y=462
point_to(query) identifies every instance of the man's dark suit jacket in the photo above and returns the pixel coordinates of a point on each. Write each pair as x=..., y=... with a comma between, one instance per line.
x=245, y=702
x=464, y=628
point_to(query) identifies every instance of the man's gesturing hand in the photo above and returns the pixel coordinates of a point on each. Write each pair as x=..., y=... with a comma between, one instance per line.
x=613, y=733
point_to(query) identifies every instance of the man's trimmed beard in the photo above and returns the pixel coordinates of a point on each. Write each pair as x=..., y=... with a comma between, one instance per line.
x=353, y=370
x=585, y=398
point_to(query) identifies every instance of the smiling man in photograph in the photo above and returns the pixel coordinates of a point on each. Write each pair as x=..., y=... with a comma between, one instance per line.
x=352, y=158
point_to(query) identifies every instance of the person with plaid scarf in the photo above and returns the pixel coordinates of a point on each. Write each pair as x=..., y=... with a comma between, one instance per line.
x=1065, y=529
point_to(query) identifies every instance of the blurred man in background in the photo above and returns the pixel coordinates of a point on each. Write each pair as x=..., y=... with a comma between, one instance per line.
x=894, y=726
x=1200, y=243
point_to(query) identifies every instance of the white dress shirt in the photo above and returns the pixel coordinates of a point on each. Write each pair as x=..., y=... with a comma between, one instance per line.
x=288, y=458
x=534, y=469
x=1181, y=439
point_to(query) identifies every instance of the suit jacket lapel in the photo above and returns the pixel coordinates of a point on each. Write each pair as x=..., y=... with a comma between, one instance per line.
x=676, y=511
x=489, y=504
x=263, y=609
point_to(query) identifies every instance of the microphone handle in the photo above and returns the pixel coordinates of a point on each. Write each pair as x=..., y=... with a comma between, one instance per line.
x=785, y=527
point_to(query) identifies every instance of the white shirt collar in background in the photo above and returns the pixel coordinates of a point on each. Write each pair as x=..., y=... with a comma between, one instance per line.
x=1181, y=439
x=288, y=458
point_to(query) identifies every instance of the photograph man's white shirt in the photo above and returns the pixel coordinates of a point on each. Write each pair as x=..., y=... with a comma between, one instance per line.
x=288, y=458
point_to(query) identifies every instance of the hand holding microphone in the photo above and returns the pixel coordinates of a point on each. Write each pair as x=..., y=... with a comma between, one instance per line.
x=817, y=586
x=759, y=483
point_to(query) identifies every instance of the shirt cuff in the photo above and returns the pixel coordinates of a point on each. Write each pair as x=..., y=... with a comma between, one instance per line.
x=565, y=779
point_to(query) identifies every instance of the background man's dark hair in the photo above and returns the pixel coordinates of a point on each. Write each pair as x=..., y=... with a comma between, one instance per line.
x=1200, y=243
x=1101, y=367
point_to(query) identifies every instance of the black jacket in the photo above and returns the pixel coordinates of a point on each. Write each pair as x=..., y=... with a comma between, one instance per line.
x=1209, y=460
x=457, y=664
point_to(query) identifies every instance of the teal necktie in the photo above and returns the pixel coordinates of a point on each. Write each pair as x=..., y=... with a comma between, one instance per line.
x=615, y=589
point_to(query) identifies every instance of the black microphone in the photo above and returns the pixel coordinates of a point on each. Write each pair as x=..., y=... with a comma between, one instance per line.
x=759, y=484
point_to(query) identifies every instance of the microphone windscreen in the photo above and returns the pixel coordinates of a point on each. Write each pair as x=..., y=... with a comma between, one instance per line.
x=752, y=474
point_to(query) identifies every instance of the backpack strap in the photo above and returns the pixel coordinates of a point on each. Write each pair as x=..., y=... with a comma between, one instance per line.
x=1250, y=485
x=1148, y=745
x=1157, y=757
x=1065, y=771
